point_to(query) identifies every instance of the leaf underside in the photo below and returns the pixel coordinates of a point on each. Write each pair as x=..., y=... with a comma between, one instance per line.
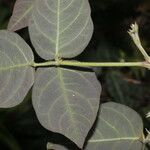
x=66, y=101
x=118, y=88
x=118, y=128
x=21, y=14
x=16, y=76
x=61, y=29
x=51, y=146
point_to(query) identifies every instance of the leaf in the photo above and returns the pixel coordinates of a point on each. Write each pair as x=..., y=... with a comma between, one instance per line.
x=66, y=101
x=118, y=88
x=21, y=14
x=16, y=76
x=51, y=146
x=106, y=51
x=118, y=128
x=123, y=89
x=61, y=29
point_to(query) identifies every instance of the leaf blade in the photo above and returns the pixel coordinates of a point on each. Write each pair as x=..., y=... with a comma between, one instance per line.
x=117, y=125
x=65, y=105
x=55, y=146
x=16, y=75
x=61, y=29
x=21, y=14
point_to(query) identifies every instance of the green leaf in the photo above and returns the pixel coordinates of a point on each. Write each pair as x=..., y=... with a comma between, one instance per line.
x=122, y=90
x=61, y=28
x=51, y=146
x=66, y=101
x=21, y=14
x=118, y=128
x=118, y=88
x=16, y=75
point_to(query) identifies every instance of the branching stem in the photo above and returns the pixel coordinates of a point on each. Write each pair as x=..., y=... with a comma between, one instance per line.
x=134, y=33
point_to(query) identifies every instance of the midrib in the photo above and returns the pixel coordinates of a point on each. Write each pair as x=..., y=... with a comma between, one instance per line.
x=58, y=26
x=114, y=139
x=66, y=100
x=14, y=67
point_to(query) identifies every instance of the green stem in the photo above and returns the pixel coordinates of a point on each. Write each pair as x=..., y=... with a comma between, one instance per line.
x=44, y=64
x=90, y=64
x=102, y=64
x=144, y=53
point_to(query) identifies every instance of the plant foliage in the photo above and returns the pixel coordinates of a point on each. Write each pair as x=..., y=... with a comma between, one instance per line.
x=66, y=100
x=16, y=76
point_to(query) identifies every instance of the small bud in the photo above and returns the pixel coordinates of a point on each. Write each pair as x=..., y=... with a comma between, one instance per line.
x=134, y=33
x=134, y=30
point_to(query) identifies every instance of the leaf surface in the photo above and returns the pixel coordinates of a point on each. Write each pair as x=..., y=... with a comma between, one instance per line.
x=118, y=88
x=122, y=89
x=118, y=128
x=51, y=146
x=66, y=101
x=16, y=75
x=21, y=14
x=61, y=28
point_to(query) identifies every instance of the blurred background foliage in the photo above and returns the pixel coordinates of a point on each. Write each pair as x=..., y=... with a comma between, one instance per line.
x=19, y=128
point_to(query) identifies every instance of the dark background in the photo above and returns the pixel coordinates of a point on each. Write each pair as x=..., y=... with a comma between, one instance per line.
x=19, y=127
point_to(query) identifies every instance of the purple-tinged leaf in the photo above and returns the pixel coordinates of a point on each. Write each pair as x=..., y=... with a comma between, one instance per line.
x=21, y=14
x=66, y=101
